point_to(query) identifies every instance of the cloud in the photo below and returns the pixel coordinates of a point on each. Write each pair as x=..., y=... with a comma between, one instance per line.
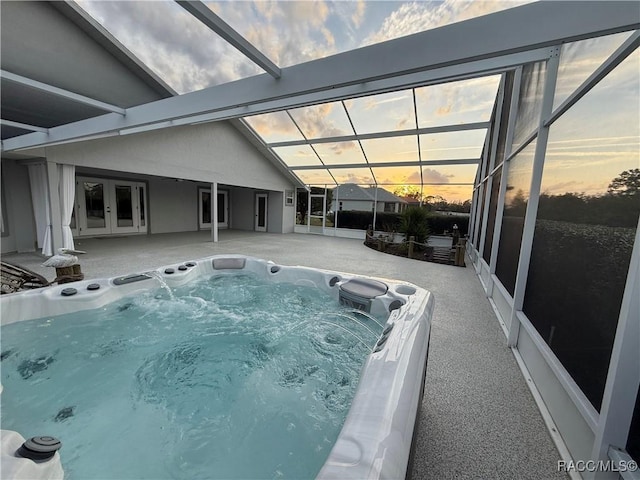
x=350, y=177
x=288, y=32
x=180, y=49
x=315, y=121
x=430, y=175
x=375, y=101
x=416, y=17
x=188, y=56
x=582, y=187
x=562, y=187
x=358, y=14
x=457, y=102
x=272, y=125
x=414, y=178
x=342, y=147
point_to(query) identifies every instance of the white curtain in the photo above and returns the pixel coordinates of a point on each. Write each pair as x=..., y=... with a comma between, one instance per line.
x=67, y=190
x=41, y=206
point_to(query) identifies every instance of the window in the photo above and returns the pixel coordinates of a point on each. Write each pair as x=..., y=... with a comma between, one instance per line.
x=288, y=198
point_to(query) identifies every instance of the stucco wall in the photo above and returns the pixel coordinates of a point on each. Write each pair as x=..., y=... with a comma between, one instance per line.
x=206, y=153
x=275, y=208
x=40, y=42
x=242, y=204
x=19, y=221
x=288, y=219
x=173, y=206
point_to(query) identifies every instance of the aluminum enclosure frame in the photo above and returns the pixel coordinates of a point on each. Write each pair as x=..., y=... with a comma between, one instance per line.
x=534, y=26
x=607, y=429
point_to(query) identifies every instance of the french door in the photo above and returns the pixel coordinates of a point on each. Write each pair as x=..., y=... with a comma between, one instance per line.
x=205, y=208
x=106, y=207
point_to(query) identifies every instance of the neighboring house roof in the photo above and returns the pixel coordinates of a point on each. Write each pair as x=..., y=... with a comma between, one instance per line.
x=411, y=201
x=385, y=195
x=353, y=192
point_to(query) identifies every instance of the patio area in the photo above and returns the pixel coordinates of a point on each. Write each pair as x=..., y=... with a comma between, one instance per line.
x=478, y=417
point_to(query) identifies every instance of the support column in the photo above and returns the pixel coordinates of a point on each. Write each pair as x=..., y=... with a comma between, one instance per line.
x=375, y=208
x=309, y=210
x=54, y=202
x=214, y=212
x=336, y=203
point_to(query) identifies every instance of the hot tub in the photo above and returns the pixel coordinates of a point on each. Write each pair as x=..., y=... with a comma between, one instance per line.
x=375, y=439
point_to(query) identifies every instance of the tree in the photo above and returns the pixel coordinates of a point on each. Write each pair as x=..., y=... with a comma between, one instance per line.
x=626, y=184
x=436, y=202
x=517, y=205
x=409, y=192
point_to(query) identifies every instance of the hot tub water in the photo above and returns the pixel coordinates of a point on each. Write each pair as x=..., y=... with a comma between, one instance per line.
x=236, y=378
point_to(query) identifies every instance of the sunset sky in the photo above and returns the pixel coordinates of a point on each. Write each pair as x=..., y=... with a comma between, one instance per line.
x=189, y=57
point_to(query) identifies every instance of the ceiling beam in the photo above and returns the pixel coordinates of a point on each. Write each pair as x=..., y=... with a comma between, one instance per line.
x=431, y=77
x=219, y=26
x=28, y=82
x=111, y=122
x=413, y=163
x=495, y=41
x=431, y=183
x=397, y=133
x=23, y=126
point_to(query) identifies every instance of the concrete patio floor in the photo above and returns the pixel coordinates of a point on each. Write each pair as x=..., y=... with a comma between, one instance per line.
x=478, y=419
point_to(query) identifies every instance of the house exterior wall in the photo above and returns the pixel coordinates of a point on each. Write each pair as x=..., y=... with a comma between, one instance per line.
x=40, y=42
x=288, y=219
x=242, y=205
x=173, y=206
x=275, y=211
x=20, y=231
x=360, y=205
x=213, y=152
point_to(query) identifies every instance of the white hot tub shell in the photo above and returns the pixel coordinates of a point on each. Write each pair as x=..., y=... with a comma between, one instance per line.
x=375, y=440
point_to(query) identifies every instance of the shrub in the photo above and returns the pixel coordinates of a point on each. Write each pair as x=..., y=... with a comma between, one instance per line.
x=414, y=224
x=354, y=219
x=358, y=220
